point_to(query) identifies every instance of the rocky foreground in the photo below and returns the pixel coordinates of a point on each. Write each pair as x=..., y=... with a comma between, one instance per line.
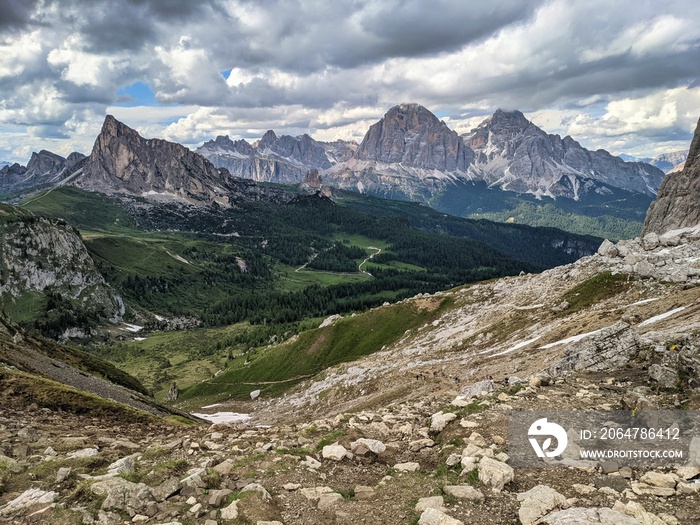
x=413, y=434
x=439, y=461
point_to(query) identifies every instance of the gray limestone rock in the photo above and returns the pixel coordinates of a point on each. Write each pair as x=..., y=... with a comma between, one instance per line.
x=677, y=204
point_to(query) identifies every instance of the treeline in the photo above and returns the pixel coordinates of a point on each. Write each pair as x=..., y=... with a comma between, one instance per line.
x=273, y=306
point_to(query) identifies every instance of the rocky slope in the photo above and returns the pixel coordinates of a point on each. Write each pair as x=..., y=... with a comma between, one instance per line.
x=123, y=162
x=415, y=434
x=41, y=257
x=514, y=154
x=43, y=168
x=677, y=203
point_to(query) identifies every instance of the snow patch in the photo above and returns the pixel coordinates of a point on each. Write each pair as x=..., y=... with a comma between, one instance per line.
x=645, y=301
x=517, y=346
x=132, y=327
x=662, y=316
x=224, y=417
x=572, y=339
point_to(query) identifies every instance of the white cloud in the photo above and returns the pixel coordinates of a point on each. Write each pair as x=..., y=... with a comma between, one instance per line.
x=609, y=74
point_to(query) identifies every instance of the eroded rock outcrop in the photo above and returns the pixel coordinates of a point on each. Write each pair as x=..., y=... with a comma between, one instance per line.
x=678, y=202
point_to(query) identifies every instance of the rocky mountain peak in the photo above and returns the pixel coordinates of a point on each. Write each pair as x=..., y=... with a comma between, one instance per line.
x=677, y=205
x=410, y=134
x=124, y=162
x=507, y=119
x=45, y=161
x=516, y=155
x=268, y=138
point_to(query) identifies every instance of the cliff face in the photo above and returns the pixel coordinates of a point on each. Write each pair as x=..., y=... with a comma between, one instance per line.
x=124, y=162
x=677, y=204
x=40, y=256
x=408, y=153
x=412, y=135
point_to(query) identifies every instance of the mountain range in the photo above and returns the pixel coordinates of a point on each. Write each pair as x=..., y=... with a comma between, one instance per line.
x=410, y=153
x=506, y=169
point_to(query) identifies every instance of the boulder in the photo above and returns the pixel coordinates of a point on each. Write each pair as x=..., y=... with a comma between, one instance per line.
x=334, y=452
x=29, y=498
x=437, y=517
x=494, y=473
x=607, y=249
x=439, y=421
x=123, y=495
x=537, y=502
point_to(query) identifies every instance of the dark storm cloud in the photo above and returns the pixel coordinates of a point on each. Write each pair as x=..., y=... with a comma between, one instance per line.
x=15, y=14
x=129, y=24
x=414, y=28
x=307, y=36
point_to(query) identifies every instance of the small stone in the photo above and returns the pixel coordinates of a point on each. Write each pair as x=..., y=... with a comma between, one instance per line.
x=407, y=467
x=84, y=453
x=62, y=474
x=291, y=486
x=363, y=492
x=420, y=444
x=311, y=463
x=453, y=459
x=464, y=492
x=626, y=472
x=372, y=445
x=657, y=479
x=257, y=487
x=329, y=500
x=583, y=490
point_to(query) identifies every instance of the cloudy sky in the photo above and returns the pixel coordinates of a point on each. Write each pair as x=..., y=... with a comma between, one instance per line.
x=615, y=74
